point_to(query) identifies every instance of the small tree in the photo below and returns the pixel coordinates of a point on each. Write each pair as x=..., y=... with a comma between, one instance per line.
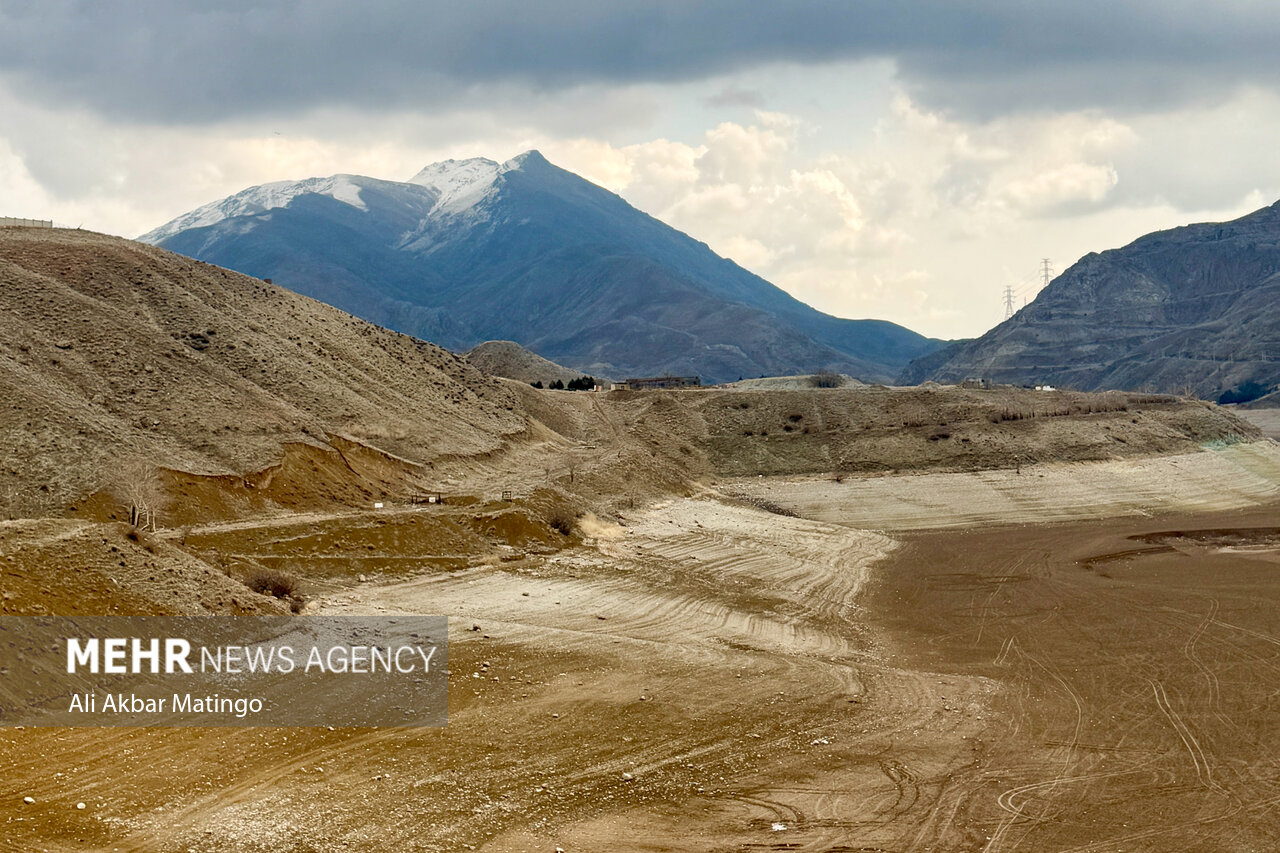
x=140, y=489
x=557, y=385
x=537, y=384
x=9, y=498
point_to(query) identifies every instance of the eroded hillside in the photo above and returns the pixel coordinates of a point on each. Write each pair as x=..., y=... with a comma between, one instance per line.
x=112, y=352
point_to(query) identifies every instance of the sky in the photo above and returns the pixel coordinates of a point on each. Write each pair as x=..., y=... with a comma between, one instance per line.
x=905, y=160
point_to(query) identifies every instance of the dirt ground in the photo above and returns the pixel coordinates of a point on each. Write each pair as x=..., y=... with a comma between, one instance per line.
x=698, y=674
x=1267, y=420
x=1239, y=475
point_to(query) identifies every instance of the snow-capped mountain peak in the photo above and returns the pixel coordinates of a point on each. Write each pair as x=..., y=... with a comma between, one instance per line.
x=259, y=199
x=458, y=186
x=462, y=184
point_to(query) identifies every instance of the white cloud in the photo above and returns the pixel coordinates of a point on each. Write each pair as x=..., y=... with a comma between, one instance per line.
x=923, y=225
x=1052, y=188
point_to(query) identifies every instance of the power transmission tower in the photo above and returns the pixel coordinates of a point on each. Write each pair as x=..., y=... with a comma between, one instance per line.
x=1046, y=271
x=1008, y=302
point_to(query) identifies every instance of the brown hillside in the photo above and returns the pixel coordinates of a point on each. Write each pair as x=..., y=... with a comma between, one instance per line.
x=112, y=351
x=510, y=360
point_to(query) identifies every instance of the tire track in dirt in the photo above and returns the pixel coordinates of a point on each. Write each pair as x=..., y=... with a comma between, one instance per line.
x=683, y=584
x=1204, y=772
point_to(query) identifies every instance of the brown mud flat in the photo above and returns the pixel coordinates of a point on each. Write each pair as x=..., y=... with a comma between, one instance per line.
x=1136, y=663
x=766, y=683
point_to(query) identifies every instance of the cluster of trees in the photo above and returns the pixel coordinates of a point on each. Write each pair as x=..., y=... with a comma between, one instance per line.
x=1244, y=393
x=582, y=383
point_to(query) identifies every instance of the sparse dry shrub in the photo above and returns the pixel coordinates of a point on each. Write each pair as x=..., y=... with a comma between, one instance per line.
x=825, y=379
x=561, y=523
x=276, y=584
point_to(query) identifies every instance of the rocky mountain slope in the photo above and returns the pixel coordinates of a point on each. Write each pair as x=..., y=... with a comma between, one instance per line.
x=473, y=250
x=1193, y=309
x=113, y=352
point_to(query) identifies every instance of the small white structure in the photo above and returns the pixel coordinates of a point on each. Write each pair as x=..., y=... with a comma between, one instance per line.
x=1045, y=388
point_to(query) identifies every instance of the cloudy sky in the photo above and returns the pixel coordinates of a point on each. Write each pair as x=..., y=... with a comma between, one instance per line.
x=905, y=160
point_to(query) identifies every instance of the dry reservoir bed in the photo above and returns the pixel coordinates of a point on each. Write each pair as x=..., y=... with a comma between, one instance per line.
x=713, y=677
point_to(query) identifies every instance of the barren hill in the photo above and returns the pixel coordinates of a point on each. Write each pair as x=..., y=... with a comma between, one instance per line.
x=1189, y=309
x=113, y=351
x=512, y=361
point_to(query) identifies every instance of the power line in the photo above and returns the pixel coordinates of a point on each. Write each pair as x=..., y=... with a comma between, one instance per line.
x=1008, y=302
x=1046, y=271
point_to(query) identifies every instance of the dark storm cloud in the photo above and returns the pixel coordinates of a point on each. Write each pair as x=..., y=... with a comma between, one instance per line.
x=205, y=61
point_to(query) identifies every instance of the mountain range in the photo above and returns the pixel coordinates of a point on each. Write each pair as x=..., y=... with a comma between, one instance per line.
x=1193, y=310
x=473, y=250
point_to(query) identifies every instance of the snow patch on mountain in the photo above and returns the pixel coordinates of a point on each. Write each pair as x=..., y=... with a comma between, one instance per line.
x=462, y=184
x=343, y=188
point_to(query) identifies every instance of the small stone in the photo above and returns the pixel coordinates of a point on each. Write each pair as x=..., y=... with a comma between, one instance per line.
x=28, y=800
x=80, y=806
x=627, y=777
